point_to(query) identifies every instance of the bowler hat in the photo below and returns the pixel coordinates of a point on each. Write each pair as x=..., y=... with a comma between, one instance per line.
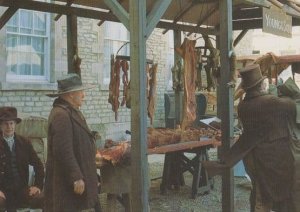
x=71, y=83
x=251, y=76
x=9, y=114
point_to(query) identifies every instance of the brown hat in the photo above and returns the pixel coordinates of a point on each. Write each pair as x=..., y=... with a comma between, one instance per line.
x=251, y=76
x=9, y=114
x=71, y=83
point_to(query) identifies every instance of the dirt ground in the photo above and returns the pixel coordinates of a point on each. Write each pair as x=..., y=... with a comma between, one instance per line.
x=181, y=201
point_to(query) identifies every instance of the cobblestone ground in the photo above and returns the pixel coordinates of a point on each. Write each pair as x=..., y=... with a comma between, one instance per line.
x=181, y=201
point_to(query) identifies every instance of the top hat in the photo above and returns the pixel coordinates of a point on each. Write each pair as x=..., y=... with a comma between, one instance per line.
x=251, y=76
x=9, y=114
x=71, y=83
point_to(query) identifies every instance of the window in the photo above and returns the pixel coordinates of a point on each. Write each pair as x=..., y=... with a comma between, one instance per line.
x=115, y=36
x=27, y=42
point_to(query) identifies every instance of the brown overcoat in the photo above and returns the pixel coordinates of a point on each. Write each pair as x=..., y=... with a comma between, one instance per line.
x=265, y=118
x=71, y=156
x=25, y=156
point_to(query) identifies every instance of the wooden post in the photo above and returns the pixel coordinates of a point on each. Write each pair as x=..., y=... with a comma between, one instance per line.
x=72, y=43
x=178, y=100
x=226, y=98
x=139, y=162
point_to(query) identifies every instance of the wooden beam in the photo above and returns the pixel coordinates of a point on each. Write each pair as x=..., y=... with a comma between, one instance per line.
x=69, y=3
x=186, y=28
x=94, y=14
x=156, y=13
x=239, y=37
x=226, y=97
x=56, y=8
x=248, y=13
x=7, y=15
x=209, y=14
x=72, y=43
x=178, y=100
x=102, y=21
x=247, y=24
x=262, y=3
x=119, y=11
x=182, y=12
x=139, y=163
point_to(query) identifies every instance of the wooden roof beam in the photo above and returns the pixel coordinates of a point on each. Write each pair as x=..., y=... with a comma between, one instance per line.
x=209, y=14
x=119, y=11
x=187, y=28
x=102, y=21
x=156, y=13
x=182, y=12
x=289, y=10
x=276, y=3
x=247, y=24
x=239, y=37
x=248, y=13
x=7, y=15
x=56, y=8
x=69, y=3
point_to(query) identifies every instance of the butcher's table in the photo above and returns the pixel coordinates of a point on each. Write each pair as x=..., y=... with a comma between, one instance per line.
x=116, y=180
x=176, y=163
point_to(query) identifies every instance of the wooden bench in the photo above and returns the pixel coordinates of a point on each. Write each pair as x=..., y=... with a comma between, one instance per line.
x=176, y=163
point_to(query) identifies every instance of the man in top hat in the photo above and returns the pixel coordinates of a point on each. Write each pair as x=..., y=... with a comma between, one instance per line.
x=71, y=178
x=16, y=154
x=263, y=145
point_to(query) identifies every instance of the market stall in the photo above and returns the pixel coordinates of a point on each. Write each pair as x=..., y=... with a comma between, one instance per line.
x=217, y=17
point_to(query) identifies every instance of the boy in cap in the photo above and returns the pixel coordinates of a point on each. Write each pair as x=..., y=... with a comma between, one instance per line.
x=16, y=154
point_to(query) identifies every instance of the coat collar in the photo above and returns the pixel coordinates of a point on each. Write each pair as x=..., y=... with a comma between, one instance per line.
x=254, y=94
x=75, y=114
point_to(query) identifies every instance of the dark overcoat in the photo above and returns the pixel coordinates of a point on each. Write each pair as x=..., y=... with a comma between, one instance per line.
x=71, y=156
x=25, y=156
x=265, y=119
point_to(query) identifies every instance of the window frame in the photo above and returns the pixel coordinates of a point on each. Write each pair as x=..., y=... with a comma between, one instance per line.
x=45, y=78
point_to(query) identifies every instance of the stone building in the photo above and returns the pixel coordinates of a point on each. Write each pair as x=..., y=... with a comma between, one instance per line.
x=33, y=56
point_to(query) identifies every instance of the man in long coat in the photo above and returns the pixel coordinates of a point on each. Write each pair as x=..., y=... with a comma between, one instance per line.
x=264, y=144
x=264, y=118
x=71, y=178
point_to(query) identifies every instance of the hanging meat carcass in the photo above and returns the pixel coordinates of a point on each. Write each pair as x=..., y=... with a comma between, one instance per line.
x=213, y=63
x=152, y=92
x=114, y=85
x=187, y=52
x=125, y=68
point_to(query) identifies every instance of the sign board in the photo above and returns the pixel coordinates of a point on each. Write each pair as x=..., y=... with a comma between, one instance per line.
x=277, y=22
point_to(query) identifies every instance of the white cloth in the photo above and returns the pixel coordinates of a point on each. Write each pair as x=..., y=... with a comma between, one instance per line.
x=10, y=141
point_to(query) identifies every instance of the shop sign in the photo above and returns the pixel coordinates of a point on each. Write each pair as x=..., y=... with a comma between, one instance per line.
x=277, y=22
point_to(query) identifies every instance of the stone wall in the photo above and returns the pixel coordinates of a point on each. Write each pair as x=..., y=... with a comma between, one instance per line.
x=96, y=108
